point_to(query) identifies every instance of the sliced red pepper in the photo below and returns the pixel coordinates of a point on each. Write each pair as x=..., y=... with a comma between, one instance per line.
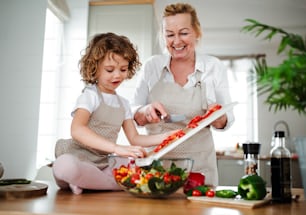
x=192, y=124
x=169, y=140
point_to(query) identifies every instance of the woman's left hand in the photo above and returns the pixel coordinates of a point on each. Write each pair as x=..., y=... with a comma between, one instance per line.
x=220, y=122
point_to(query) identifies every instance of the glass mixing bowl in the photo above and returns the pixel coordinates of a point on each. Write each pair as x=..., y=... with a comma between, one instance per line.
x=162, y=178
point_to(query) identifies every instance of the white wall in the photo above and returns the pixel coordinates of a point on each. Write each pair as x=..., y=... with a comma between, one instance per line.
x=21, y=45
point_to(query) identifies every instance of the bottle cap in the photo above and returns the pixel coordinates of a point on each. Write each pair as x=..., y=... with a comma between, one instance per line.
x=251, y=148
x=279, y=134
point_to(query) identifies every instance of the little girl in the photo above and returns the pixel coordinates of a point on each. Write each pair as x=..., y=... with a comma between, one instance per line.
x=82, y=161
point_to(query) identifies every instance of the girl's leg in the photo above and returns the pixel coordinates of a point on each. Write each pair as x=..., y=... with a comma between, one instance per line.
x=69, y=171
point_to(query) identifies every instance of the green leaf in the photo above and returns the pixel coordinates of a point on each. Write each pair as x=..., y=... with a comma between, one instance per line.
x=284, y=84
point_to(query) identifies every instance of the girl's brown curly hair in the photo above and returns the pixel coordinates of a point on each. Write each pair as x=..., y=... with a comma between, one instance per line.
x=99, y=47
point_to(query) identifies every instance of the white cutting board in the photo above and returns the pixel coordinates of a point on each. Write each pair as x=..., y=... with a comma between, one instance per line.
x=222, y=202
x=155, y=156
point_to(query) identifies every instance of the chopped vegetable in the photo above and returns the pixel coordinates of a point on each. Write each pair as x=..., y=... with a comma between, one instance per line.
x=171, y=138
x=194, y=179
x=226, y=193
x=210, y=193
x=151, y=180
x=196, y=193
x=4, y=182
x=193, y=123
x=202, y=189
x=252, y=187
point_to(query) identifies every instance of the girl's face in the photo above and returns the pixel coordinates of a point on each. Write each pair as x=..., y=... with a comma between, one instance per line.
x=112, y=70
x=180, y=36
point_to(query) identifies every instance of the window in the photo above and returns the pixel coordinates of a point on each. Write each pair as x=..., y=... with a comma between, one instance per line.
x=52, y=66
x=244, y=128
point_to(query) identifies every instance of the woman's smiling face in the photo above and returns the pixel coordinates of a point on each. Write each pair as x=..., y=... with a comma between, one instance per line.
x=179, y=36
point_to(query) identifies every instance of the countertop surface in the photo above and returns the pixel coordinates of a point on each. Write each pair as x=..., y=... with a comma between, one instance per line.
x=107, y=202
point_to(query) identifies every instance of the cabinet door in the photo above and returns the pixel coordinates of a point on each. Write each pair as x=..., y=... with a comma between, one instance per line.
x=296, y=175
x=230, y=172
x=265, y=171
x=295, y=171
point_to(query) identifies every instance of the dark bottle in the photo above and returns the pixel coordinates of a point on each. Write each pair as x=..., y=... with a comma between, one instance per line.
x=280, y=169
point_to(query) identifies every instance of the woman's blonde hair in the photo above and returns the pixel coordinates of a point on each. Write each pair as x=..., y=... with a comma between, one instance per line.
x=102, y=45
x=179, y=8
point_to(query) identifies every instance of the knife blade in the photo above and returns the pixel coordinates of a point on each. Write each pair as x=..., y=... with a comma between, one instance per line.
x=171, y=117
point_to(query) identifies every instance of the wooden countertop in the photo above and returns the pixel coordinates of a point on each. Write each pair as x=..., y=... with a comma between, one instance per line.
x=93, y=203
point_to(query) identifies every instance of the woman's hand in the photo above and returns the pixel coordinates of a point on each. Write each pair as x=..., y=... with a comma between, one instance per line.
x=220, y=122
x=150, y=113
x=130, y=151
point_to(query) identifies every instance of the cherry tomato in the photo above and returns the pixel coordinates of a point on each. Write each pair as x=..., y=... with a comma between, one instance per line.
x=134, y=178
x=149, y=176
x=167, y=178
x=196, y=193
x=175, y=178
x=210, y=193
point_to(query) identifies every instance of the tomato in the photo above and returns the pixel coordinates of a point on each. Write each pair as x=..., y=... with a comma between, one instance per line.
x=157, y=174
x=149, y=175
x=192, y=125
x=196, y=193
x=180, y=133
x=175, y=178
x=159, y=147
x=134, y=178
x=216, y=107
x=167, y=178
x=210, y=193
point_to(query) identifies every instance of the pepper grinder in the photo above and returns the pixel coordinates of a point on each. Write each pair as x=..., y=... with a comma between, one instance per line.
x=251, y=158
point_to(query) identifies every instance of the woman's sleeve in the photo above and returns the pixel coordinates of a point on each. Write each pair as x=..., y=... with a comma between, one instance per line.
x=141, y=94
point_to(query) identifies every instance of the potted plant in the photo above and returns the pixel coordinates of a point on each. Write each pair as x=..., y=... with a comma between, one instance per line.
x=285, y=84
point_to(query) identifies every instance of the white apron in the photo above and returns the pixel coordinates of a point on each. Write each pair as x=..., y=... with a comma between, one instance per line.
x=105, y=121
x=190, y=102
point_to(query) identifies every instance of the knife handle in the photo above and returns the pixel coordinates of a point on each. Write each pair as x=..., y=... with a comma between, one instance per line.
x=159, y=115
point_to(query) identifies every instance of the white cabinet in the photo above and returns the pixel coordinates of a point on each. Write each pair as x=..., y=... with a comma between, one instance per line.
x=232, y=169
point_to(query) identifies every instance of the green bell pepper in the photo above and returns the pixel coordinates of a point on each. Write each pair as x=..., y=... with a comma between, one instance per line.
x=252, y=187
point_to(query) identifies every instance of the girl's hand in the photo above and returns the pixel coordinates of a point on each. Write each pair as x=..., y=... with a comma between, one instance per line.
x=130, y=151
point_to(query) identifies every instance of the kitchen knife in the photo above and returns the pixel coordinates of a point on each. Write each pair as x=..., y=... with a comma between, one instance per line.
x=171, y=117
